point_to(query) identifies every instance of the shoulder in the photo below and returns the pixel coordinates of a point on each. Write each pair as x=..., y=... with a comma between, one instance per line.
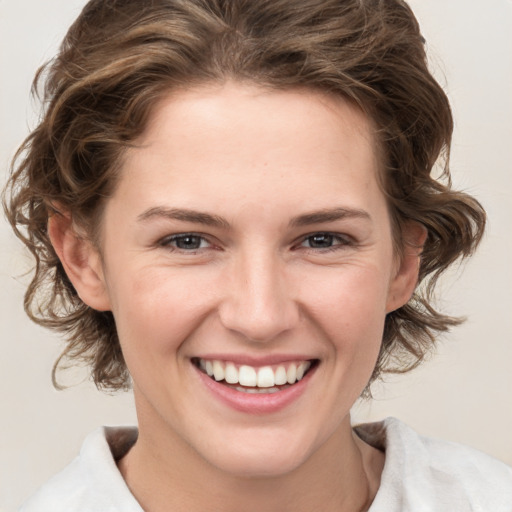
x=91, y=482
x=422, y=473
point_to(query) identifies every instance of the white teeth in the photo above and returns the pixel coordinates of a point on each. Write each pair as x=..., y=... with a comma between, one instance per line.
x=231, y=374
x=300, y=370
x=262, y=379
x=291, y=374
x=218, y=370
x=280, y=377
x=247, y=376
x=265, y=377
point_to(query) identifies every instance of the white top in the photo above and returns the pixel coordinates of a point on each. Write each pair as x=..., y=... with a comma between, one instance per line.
x=420, y=475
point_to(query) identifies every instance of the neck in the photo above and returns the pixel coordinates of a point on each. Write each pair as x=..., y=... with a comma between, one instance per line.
x=164, y=473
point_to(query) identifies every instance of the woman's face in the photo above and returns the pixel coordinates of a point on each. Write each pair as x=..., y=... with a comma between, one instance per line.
x=248, y=236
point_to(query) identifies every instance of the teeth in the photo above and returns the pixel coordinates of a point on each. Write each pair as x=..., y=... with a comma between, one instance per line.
x=218, y=370
x=257, y=390
x=247, y=376
x=231, y=374
x=258, y=380
x=266, y=377
x=291, y=374
x=280, y=377
x=300, y=371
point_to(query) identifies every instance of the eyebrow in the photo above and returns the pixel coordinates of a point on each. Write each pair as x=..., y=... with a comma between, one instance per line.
x=208, y=219
x=329, y=215
x=185, y=215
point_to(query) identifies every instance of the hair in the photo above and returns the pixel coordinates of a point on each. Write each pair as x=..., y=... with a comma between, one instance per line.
x=121, y=56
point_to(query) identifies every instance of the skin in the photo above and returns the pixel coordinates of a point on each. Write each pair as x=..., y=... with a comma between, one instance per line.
x=256, y=286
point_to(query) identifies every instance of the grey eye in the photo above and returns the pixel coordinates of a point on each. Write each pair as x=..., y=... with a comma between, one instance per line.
x=187, y=242
x=320, y=240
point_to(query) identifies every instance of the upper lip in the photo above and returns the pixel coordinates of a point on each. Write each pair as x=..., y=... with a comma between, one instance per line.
x=257, y=361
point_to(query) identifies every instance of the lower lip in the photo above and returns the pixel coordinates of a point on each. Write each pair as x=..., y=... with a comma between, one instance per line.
x=256, y=403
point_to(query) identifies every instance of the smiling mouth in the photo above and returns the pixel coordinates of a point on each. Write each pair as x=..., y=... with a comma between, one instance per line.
x=250, y=379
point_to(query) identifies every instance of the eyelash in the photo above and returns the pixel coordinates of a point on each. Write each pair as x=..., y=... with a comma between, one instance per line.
x=340, y=242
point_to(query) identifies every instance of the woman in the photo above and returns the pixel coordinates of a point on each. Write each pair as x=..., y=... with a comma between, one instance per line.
x=233, y=205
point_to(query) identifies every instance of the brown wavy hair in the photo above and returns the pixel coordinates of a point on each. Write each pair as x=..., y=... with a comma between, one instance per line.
x=121, y=56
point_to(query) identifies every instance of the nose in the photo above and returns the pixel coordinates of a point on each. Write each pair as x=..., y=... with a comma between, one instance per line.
x=259, y=300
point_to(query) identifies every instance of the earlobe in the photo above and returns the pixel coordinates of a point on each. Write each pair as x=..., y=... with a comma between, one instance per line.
x=81, y=261
x=406, y=277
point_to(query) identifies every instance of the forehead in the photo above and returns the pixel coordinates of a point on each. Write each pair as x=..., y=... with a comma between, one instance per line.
x=240, y=110
x=252, y=143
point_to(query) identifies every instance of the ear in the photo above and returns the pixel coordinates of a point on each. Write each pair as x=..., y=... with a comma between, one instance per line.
x=81, y=261
x=405, y=278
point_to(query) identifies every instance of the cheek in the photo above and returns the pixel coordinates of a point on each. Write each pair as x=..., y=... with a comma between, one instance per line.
x=349, y=311
x=157, y=309
x=350, y=308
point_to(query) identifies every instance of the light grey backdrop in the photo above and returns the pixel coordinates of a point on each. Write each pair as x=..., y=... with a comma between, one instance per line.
x=464, y=394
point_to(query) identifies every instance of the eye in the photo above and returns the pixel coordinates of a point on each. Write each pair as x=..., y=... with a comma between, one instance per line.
x=324, y=241
x=185, y=242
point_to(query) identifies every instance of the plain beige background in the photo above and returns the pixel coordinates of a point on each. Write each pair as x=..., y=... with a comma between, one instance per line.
x=463, y=394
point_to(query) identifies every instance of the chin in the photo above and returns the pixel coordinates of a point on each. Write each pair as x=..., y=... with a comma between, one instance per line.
x=260, y=457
